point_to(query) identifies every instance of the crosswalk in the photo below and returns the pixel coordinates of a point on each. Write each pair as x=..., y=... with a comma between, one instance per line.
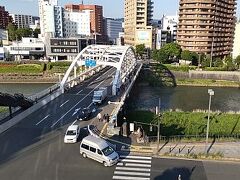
x=133, y=168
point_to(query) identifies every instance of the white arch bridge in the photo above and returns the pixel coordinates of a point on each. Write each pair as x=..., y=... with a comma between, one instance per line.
x=95, y=57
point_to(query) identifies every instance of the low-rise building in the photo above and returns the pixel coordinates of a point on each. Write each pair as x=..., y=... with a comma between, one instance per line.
x=28, y=48
x=67, y=48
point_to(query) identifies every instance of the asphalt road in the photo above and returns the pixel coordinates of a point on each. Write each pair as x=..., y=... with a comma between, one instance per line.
x=34, y=148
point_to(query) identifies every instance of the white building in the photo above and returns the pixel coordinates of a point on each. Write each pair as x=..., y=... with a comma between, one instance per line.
x=28, y=48
x=77, y=23
x=22, y=21
x=236, y=44
x=35, y=25
x=51, y=19
x=112, y=27
x=4, y=37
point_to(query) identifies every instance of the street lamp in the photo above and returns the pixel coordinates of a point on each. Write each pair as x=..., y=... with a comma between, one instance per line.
x=159, y=115
x=211, y=93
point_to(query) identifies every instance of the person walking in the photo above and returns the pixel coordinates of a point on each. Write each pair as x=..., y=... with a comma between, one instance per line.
x=99, y=116
x=107, y=117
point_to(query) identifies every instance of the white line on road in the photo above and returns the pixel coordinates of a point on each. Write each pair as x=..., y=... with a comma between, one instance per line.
x=120, y=164
x=77, y=104
x=90, y=104
x=43, y=119
x=133, y=169
x=129, y=178
x=64, y=103
x=73, y=122
x=99, y=77
x=131, y=173
x=136, y=161
x=79, y=91
x=135, y=157
x=137, y=165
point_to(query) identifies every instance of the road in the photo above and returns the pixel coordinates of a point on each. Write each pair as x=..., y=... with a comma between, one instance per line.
x=34, y=148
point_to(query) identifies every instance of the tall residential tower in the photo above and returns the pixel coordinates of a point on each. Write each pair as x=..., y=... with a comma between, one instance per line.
x=207, y=26
x=137, y=22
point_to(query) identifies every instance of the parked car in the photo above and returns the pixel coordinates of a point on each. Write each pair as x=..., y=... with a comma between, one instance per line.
x=99, y=150
x=84, y=114
x=72, y=134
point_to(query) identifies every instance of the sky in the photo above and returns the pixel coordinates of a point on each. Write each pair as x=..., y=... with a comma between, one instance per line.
x=111, y=8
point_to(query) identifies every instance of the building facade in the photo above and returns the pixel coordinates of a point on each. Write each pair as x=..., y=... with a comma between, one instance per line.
x=207, y=26
x=137, y=22
x=96, y=16
x=22, y=21
x=51, y=19
x=112, y=28
x=236, y=44
x=76, y=23
x=5, y=19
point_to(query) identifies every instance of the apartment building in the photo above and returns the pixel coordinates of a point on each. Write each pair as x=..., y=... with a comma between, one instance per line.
x=5, y=19
x=207, y=26
x=22, y=21
x=137, y=22
x=96, y=15
x=112, y=28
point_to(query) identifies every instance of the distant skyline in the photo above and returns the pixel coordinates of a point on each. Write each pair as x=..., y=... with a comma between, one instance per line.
x=111, y=8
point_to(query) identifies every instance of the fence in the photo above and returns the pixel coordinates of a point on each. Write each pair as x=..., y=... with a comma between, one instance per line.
x=191, y=138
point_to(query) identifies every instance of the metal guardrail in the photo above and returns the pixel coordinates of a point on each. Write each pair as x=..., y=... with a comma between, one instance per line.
x=45, y=92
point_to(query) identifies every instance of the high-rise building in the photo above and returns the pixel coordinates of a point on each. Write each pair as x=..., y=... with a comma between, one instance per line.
x=236, y=44
x=5, y=19
x=207, y=26
x=76, y=23
x=96, y=16
x=112, y=28
x=51, y=18
x=137, y=22
x=22, y=21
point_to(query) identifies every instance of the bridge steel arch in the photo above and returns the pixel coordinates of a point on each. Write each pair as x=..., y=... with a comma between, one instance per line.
x=122, y=58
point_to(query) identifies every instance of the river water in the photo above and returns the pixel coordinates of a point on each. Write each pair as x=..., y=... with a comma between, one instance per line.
x=186, y=98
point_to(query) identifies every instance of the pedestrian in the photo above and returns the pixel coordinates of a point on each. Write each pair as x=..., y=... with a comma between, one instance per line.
x=107, y=118
x=99, y=116
x=104, y=117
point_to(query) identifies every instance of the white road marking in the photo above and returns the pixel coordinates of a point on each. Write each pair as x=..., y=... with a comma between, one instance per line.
x=129, y=178
x=135, y=157
x=43, y=119
x=136, y=161
x=64, y=103
x=76, y=110
x=74, y=122
x=119, y=164
x=90, y=104
x=132, y=173
x=79, y=91
x=98, y=78
x=137, y=165
x=77, y=103
x=133, y=169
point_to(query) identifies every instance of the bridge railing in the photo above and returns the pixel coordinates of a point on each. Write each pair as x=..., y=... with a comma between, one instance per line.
x=45, y=92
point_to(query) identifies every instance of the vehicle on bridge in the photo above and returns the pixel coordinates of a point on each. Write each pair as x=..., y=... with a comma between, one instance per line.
x=99, y=95
x=84, y=114
x=72, y=134
x=98, y=149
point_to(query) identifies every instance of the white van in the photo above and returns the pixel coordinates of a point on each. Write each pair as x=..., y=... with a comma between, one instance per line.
x=72, y=134
x=99, y=150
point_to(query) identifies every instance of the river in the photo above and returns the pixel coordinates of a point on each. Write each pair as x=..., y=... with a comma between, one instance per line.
x=186, y=98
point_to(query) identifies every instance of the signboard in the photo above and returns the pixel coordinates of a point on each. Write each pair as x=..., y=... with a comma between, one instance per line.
x=90, y=62
x=143, y=35
x=131, y=127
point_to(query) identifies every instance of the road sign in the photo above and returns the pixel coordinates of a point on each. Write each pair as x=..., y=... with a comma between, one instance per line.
x=90, y=62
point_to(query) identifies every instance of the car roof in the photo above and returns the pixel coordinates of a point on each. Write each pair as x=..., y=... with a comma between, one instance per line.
x=72, y=127
x=101, y=143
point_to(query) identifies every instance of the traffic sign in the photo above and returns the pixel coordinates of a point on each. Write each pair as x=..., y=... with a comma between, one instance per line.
x=90, y=62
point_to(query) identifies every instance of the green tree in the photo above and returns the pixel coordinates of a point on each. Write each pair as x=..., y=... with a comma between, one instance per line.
x=23, y=32
x=154, y=54
x=195, y=58
x=140, y=50
x=163, y=56
x=237, y=61
x=218, y=62
x=11, y=32
x=229, y=65
x=173, y=50
x=205, y=60
x=186, y=55
x=36, y=32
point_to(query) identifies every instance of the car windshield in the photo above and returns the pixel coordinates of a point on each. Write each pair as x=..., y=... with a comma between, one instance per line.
x=71, y=132
x=107, y=151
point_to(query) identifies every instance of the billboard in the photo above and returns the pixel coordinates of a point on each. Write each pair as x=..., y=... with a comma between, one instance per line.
x=143, y=35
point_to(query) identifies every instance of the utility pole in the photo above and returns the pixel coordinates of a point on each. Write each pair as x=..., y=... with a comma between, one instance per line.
x=158, y=115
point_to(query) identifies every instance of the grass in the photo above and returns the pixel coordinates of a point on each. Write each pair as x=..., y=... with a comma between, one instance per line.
x=3, y=109
x=189, y=123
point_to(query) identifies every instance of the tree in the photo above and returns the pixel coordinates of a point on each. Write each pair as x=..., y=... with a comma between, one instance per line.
x=140, y=50
x=186, y=55
x=23, y=32
x=154, y=55
x=11, y=32
x=218, y=62
x=237, y=61
x=36, y=32
x=195, y=58
x=173, y=50
x=229, y=65
x=163, y=56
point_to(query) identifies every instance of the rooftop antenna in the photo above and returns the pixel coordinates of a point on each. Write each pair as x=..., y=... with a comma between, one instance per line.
x=82, y=2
